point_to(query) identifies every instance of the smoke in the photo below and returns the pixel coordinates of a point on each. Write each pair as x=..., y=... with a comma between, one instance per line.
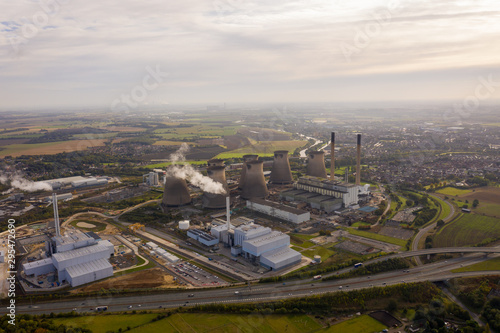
x=186, y=171
x=17, y=181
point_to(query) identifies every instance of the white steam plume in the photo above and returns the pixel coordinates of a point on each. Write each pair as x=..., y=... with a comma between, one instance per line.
x=17, y=181
x=186, y=171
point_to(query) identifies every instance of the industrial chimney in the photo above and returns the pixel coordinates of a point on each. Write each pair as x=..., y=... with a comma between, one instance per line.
x=316, y=164
x=56, y=215
x=215, y=162
x=332, y=157
x=255, y=183
x=281, y=173
x=346, y=174
x=358, y=161
x=212, y=200
x=176, y=192
x=246, y=158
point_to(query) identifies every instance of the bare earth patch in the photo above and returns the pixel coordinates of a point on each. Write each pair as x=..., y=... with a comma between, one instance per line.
x=85, y=225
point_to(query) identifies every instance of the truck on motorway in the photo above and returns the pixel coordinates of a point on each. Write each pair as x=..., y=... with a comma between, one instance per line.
x=101, y=308
x=359, y=264
x=317, y=277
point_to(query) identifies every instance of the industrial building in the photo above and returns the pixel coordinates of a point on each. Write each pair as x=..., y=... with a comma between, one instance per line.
x=324, y=194
x=280, y=211
x=258, y=244
x=76, y=182
x=77, y=257
x=151, y=179
x=203, y=237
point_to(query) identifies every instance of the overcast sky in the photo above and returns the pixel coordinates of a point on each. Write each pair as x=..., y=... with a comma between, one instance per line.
x=81, y=53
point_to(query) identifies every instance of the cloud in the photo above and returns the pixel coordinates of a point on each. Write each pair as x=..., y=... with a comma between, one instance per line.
x=87, y=54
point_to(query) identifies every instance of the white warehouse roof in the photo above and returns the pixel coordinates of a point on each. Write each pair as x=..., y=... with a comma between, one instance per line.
x=280, y=255
x=84, y=251
x=38, y=263
x=88, y=267
x=268, y=238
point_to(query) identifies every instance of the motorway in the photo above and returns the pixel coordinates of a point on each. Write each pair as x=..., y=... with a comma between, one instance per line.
x=257, y=292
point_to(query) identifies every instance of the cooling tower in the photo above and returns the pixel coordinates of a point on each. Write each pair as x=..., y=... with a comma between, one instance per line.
x=281, y=173
x=213, y=200
x=332, y=157
x=255, y=183
x=215, y=162
x=246, y=158
x=358, y=161
x=316, y=164
x=176, y=192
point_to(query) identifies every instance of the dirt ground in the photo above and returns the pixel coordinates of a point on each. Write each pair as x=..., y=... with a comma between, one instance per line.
x=150, y=278
x=485, y=194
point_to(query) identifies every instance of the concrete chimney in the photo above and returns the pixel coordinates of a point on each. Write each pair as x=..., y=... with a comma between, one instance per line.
x=228, y=212
x=358, y=161
x=176, y=192
x=332, y=157
x=56, y=215
x=346, y=174
x=316, y=164
x=246, y=158
x=255, y=182
x=281, y=173
x=212, y=200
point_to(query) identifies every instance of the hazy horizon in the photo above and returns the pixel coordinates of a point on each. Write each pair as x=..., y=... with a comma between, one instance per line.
x=95, y=54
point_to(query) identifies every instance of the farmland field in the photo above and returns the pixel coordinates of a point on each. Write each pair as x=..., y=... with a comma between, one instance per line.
x=451, y=191
x=489, y=200
x=103, y=324
x=382, y=238
x=196, y=322
x=263, y=148
x=469, y=229
x=50, y=147
x=361, y=324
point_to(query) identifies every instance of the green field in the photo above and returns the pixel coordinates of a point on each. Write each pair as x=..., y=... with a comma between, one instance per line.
x=487, y=265
x=451, y=191
x=445, y=209
x=361, y=324
x=196, y=322
x=469, y=229
x=318, y=250
x=382, y=238
x=263, y=148
x=166, y=164
x=104, y=323
x=491, y=209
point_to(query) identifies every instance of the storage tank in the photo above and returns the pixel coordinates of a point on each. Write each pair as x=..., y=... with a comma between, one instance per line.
x=316, y=164
x=213, y=200
x=255, y=182
x=246, y=158
x=280, y=172
x=176, y=192
x=184, y=225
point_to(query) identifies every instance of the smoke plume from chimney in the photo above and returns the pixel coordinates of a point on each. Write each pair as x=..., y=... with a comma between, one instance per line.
x=186, y=171
x=23, y=184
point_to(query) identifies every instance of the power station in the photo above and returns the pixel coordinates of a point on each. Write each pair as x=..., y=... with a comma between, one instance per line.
x=246, y=159
x=316, y=164
x=255, y=183
x=176, y=192
x=281, y=173
x=216, y=173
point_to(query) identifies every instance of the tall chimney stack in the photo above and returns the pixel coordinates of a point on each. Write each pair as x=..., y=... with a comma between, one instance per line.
x=358, y=161
x=346, y=174
x=332, y=157
x=56, y=215
x=228, y=212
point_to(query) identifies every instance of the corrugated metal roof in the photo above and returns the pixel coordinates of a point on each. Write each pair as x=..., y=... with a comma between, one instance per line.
x=268, y=238
x=281, y=254
x=84, y=251
x=38, y=263
x=88, y=267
